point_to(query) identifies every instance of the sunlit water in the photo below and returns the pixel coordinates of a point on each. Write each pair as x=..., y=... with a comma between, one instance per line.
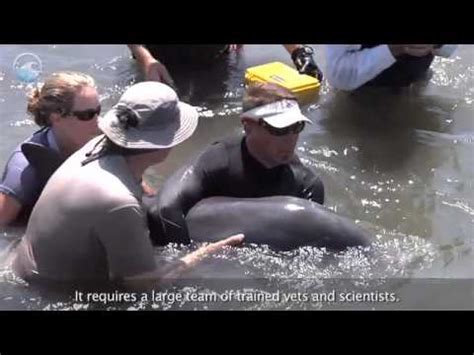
x=399, y=164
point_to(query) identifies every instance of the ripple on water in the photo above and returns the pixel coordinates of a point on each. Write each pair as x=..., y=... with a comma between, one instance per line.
x=256, y=271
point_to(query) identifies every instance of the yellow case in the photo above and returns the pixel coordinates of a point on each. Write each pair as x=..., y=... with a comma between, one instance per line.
x=303, y=86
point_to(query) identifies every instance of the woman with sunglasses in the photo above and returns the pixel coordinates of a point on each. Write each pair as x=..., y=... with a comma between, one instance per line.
x=260, y=163
x=66, y=108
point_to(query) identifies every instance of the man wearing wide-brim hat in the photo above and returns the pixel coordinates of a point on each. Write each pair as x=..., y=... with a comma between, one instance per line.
x=88, y=223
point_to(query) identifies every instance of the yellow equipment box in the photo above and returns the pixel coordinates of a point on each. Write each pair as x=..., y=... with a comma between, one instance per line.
x=303, y=86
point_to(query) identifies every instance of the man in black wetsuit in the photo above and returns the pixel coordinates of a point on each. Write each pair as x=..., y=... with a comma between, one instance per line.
x=260, y=163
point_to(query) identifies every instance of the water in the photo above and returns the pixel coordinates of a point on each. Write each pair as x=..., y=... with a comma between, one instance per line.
x=400, y=164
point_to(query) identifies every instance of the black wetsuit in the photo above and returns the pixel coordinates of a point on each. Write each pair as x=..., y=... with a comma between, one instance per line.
x=187, y=54
x=199, y=71
x=224, y=169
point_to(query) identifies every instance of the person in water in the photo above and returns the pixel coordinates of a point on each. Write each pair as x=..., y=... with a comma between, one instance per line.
x=349, y=67
x=88, y=224
x=156, y=60
x=259, y=163
x=66, y=108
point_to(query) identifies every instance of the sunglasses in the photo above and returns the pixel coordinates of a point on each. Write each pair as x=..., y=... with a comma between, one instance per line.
x=87, y=115
x=294, y=128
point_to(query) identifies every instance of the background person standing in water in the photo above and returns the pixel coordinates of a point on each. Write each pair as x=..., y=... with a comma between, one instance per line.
x=349, y=67
x=155, y=60
x=66, y=108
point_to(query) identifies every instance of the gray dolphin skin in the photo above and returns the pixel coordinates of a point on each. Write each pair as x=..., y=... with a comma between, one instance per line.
x=282, y=222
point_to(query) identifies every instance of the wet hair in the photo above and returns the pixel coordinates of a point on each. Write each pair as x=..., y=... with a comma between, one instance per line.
x=56, y=95
x=105, y=146
x=111, y=148
x=259, y=94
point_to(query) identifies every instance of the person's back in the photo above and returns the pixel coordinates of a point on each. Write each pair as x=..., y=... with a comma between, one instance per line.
x=76, y=215
x=187, y=55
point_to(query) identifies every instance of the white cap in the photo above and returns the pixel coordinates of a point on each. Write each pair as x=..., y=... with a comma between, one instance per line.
x=279, y=114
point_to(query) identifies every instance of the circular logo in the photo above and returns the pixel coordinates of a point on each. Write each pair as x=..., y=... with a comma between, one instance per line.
x=27, y=67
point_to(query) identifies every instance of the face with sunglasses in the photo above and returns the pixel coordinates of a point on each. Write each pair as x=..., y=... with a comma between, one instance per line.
x=79, y=125
x=270, y=145
x=296, y=128
x=88, y=114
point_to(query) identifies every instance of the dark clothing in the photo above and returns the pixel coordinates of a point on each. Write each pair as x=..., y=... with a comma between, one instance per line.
x=225, y=169
x=187, y=55
x=200, y=72
x=21, y=178
x=405, y=71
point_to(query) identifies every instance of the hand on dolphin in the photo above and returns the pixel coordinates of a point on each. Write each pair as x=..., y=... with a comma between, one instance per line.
x=193, y=259
x=150, y=279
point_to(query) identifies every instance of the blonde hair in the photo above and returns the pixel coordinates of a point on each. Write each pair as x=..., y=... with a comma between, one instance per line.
x=56, y=95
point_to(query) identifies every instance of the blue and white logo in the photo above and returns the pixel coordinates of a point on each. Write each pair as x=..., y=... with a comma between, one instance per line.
x=27, y=67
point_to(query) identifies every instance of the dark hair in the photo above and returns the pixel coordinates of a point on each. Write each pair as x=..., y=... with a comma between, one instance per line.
x=259, y=94
x=111, y=148
x=105, y=146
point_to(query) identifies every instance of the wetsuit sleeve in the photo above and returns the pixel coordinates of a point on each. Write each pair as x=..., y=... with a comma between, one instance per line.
x=182, y=191
x=124, y=234
x=310, y=186
x=348, y=67
x=19, y=180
